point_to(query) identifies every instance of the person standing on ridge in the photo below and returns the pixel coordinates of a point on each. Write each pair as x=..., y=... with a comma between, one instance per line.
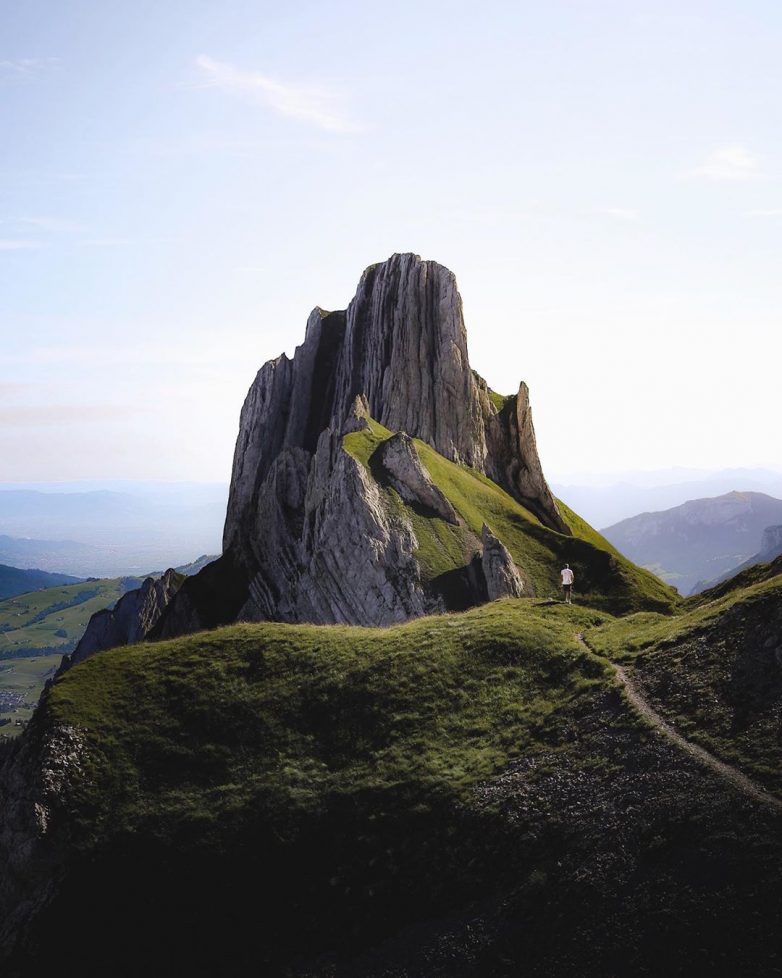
x=567, y=583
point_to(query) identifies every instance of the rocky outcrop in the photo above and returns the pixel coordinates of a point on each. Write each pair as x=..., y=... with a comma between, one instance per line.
x=37, y=779
x=399, y=458
x=130, y=620
x=503, y=579
x=332, y=551
x=405, y=349
x=513, y=460
x=308, y=535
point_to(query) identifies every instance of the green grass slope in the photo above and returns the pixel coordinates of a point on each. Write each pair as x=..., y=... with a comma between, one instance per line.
x=36, y=630
x=278, y=718
x=604, y=577
x=328, y=770
x=250, y=799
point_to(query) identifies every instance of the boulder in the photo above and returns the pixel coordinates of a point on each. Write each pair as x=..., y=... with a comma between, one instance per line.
x=503, y=579
x=399, y=458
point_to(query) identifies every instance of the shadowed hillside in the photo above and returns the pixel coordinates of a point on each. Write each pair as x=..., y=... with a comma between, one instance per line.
x=452, y=796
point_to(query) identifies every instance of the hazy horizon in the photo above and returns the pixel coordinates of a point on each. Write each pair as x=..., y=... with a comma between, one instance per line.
x=670, y=476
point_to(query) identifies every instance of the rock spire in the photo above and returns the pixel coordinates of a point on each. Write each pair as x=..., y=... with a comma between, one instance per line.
x=306, y=527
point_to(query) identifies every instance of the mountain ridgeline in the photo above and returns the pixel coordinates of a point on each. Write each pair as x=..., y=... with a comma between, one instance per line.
x=703, y=541
x=330, y=521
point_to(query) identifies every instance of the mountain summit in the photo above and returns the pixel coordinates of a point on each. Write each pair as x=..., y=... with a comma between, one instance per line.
x=401, y=345
x=366, y=467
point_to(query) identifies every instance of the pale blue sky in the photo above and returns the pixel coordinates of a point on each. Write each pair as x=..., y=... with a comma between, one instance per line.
x=181, y=182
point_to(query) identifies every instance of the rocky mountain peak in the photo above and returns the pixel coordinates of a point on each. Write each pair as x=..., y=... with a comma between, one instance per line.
x=405, y=349
x=401, y=345
x=310, y=528
x=130, y=620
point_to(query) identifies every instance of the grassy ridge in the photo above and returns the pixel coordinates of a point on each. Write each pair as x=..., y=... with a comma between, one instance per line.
x=602, y=574
x=622, y=639
x=321, y=779
x=278, y=718
x=288, y=791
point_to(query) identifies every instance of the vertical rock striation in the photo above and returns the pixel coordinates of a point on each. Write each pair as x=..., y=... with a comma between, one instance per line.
x=305, y=529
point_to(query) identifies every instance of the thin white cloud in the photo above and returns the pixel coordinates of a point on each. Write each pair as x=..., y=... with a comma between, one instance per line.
x=619, y=213
x=313, y=104
x=17, y=244
x=727, y=163
x=23, y=69
x=54, y=224
x=107, y=242
x=770, y=212
x=35, y=416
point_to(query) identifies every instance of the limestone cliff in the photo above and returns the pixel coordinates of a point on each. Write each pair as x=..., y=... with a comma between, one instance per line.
x=130, y=620
x=402, y=344
x=307, y=533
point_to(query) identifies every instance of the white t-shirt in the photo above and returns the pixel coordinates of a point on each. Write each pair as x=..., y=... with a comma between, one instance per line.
x=567, y=576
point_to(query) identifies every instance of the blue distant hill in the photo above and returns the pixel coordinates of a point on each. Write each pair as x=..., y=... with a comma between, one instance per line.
x=14, y=580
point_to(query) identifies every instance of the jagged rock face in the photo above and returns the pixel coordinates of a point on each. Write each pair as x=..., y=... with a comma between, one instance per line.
x=514, y=463
x=407, y=475
x=306, y=529
x=36, y=789
x=332, y=552
x=503, y=579
x=402, y=345
x=405, y=349
x=130, y=620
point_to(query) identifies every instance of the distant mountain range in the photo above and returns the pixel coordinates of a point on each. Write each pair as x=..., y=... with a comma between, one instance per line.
x=110, y=532
x=701, y=541
x=605, y=500
x=770, y=549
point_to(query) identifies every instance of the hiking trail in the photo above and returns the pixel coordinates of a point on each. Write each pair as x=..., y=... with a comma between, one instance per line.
x=732, y=775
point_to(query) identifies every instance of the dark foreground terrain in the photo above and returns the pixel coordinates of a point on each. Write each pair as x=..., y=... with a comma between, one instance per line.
x=463, y=795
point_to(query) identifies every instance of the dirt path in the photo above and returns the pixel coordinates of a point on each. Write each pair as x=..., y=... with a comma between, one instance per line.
x=732, y=775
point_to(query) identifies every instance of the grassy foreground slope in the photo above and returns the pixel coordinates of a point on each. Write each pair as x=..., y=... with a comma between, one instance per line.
x=322, y=775
x=604, y=577
x=471, y=788
x=278, y=718
x=714, y=669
